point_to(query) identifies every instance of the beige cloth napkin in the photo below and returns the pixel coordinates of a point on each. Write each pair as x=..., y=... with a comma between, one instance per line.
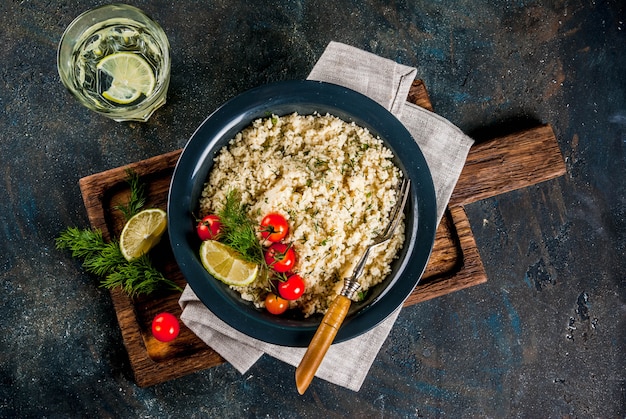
x=445, y=148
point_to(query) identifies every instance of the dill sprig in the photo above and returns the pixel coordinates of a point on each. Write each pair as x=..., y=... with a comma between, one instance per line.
x=138, y=277
x=99, y=257
x=238, y=230
x=105, y=259
x=137, y=197
x=83, y=244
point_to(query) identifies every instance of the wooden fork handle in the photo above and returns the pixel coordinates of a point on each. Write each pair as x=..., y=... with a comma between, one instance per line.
x=321, y=341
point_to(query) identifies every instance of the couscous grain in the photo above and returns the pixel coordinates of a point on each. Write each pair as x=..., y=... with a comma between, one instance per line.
x=333, y=181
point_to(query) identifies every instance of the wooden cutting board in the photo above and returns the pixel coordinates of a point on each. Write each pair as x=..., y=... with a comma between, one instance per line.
x=493, y=167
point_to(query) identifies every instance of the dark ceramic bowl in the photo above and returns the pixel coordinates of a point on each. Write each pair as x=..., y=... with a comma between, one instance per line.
x=304, y=97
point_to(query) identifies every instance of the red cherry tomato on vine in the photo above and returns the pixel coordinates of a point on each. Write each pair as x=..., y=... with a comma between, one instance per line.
x=209, y=227
x=292, y=288
x=165, y=327
x=280, y=257
x=275, y=305
x=274, y=227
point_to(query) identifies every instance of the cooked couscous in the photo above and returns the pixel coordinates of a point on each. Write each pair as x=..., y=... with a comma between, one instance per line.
x=333, y=181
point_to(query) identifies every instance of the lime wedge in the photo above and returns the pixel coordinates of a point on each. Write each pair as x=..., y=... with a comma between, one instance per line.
x=142, y=232
x=225, y=264
x=131, y=76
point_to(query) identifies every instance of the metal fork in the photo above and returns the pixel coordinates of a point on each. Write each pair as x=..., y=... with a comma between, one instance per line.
x=338, y=309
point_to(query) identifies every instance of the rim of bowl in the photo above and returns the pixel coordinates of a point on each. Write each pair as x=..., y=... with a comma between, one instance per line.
x=282, y=98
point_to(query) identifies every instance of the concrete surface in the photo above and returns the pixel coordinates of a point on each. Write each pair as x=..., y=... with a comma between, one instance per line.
x=544, y=337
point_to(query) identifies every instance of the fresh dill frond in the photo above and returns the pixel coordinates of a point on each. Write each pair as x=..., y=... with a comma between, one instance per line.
x=238, y=230
x=106, y=261
x=138, y=277
x=82, y=243
x=98, y=256
x=137, y=197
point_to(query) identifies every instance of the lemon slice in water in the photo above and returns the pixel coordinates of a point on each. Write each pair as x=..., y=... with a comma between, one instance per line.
x=142, y=232
x=224, y=264
x=131, y=76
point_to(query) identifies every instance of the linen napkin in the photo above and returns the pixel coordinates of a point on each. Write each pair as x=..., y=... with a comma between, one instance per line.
x=445, y=148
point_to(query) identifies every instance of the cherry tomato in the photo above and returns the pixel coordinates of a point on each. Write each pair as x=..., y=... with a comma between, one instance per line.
x=292, y=288
x=165, y=327
x=275, y=305
x=274, y=227
x=280, y=257
x=209, y=227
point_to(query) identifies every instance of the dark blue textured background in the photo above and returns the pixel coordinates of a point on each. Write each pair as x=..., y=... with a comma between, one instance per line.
x=544, y=337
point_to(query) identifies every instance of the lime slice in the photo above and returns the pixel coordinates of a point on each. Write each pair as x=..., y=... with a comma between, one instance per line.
x=142, y=232
x=131, y=76
x=224, y=264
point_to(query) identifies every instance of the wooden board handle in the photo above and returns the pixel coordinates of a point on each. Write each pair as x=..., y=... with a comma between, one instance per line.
x=321, y=341
x=508, y=163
